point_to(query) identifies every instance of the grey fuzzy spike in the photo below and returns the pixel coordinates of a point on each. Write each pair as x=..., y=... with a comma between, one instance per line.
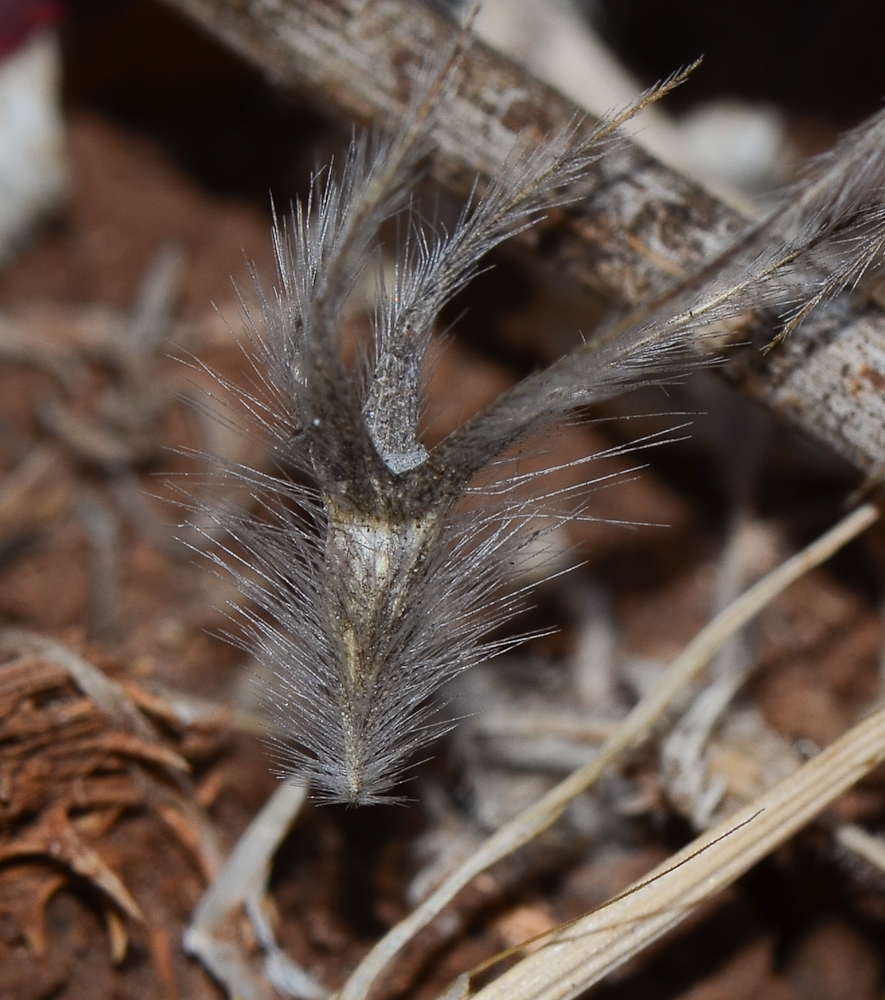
x=385, y=578
x=380, y=583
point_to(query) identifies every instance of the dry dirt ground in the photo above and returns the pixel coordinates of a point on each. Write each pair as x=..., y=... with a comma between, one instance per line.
x=107, y=823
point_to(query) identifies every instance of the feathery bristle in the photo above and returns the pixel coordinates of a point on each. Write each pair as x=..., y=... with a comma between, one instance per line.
x=377, y=584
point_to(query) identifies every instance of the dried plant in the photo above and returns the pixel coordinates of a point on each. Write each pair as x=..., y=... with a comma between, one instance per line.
x=579, y=954
x=376, y=583
x=376, y=570
x=373, y=581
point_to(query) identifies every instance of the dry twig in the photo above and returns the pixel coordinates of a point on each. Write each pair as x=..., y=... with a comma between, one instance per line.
x=581, y=953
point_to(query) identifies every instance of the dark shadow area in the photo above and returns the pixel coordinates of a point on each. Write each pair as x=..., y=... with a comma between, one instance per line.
x=143, y=66
x=811, y=56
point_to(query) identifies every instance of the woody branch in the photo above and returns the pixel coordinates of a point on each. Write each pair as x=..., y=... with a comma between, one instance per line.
x=643, y=225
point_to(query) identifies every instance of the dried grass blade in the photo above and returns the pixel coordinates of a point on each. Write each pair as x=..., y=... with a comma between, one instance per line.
x=634, y=728
x=583, y=952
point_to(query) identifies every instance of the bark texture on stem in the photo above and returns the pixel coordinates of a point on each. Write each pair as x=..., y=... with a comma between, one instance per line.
x=642, y=226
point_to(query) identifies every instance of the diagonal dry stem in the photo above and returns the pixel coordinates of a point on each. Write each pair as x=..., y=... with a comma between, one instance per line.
x=637, y=725
x=581, y=953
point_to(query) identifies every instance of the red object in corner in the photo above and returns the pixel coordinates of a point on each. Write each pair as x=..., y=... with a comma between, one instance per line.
x=19, y=18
